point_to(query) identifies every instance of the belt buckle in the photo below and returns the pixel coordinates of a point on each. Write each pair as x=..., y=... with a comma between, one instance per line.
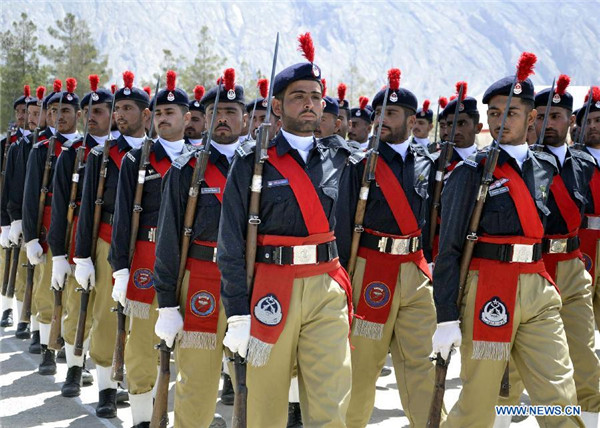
x=304, y=255
x=558, y=246
x=400, y=247
x=382, y=244
x=214, y=255
x=522, y=253
x=152, y=234
x=593, y=222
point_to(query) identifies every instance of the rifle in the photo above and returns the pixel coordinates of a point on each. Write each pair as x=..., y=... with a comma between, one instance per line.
x=251, y=119
x=85, y=294
x=118, y=361
x=363, y=194
x=540, y=140
x=46, y=177
x=7, y=251
x=580, y=141
x=443, y=162
x=160, y=416
x=10, y=289
x=437, y=124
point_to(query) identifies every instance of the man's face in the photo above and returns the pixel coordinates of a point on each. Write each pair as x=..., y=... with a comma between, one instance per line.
x=67, y=117
x=99, y=119
x=195, y=127
x=421, y=128
x=395, y=124
x=519, y=117
x=257, y=120
x=466, y=130
x=344, y=124
x=359, y=130
x=443, y=129
x=33, y=115
x=592, y=130
x=170, y=121
x=301, y=108
x=559, y=120
x=329, y=125
x=229, y=122
x=130, y=118
x=21, y=115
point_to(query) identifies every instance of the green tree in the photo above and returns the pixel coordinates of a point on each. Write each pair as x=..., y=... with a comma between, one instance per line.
x=19, y=65
x=207, y=65
x=169, y=62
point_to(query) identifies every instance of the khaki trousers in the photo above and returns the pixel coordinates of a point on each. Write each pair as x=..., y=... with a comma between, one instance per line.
x=43, y=297
x=596, y=286
x=411, y=322
x=104, y=322
x=141, y=359
x=316, y=336
x=21, y=275
x=71, y=305
x=199, y=372
x=539, y=351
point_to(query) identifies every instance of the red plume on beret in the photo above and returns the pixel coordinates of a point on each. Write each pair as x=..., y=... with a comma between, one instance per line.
x=342, y=91
x=27, y=91
x=595, y=94
x=128, y=77
x=525, y=66
x=562, y=83
x=198, y=92
x=113, y=88
x=394, y=78
x=148, y=90
x=171, y=80
x=453, y=97
x=263, y=87
x=443, y=102
x=426, y=105
x=464, y=86
x=57, y=85
x=40, y=91
x=94, y=80
x=324, y=84
x=362, y=102
x=229, y=79
x=306, y=46
x=71, y=84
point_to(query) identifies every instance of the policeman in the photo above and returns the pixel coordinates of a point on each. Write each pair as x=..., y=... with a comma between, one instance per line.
x=299, y=308
x=260, y=111
x=423, y=126
x=467, y=129
x=97, y=127
x=197, y=123
x=391, y=283
x=360, y=124
x=197, y=316
x=510, y=303
x=344, y=113
x=131, y=113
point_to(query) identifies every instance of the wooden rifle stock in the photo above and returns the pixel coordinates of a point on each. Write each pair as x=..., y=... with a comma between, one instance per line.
x=7, y=255
x=10, y=289
x=439, y=388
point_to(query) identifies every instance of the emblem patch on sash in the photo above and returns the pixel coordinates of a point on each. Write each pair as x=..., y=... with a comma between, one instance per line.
x=494, y=313
x=277, y=183
x=377, y=295
x=498, y=183
x=498, y=191
x=587, y=261
x=210, y=190
x=202, y=303
x=268, y=310
x=142, y=278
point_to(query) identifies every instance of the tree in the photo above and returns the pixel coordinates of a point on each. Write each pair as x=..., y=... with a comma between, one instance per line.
x=169, y=62
x=207, y=65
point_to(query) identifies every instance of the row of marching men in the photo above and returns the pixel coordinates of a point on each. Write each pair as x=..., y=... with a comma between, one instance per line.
x=345, y=249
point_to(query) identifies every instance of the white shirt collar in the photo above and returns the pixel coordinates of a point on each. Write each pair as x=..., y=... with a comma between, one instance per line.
x=174, y=149
x=518, y=153
x=52, y=130
x=115, y=134
x=195, y=141
x=227, y=150
x=422, y=141
x=595, y=153
x=70, y=136
x=302, y=144
x=465, y=152
x=25, y=132
x=134, y=142
x=365, y=145
x=100, y=139
x=401, y=148
x=560, y=152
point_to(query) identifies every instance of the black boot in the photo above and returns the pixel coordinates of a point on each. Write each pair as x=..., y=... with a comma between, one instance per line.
x=22, y=330
x=142, y=425
x=294, y=416
x=7, y=319
x=48, y=364
x=107, y=403
x=227, y=394
x=34, y=346
x=72, y=385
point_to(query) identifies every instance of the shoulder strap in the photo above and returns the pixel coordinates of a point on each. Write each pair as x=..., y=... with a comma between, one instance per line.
x=567, y=207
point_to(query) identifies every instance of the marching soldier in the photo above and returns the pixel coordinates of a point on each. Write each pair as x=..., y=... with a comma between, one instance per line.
x=344, y=113
x=510, y=303
x=131, y=113
x=392, y=283
x=197, y=317
x=361, y=122
x=62, y=278
x=197, y=123
x=260, y=111
x=300, y=306
x=423, y=126
x=467, y=129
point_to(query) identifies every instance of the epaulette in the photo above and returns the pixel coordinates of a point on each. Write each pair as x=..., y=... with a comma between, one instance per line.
x=357, y=156
x=68, y=144
x=475, y=159
x=183, y=159
x=40, y=144
x=245, y=148
x=418, y=149
x=580, y=154
x=546, y=157
x=97, y=150
x=131, y=156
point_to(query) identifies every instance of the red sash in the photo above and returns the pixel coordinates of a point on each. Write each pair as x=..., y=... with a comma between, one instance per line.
x=589, y=237
x=214, y=179
x=498, y=281
x=381, y=270
x=161, y=166
x=116, y=155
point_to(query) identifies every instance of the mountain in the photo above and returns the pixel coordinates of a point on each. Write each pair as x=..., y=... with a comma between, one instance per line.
x=434, y=43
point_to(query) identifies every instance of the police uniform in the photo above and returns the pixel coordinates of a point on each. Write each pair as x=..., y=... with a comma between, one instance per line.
x=363, y=112
x=510, y=304
x=424, y=112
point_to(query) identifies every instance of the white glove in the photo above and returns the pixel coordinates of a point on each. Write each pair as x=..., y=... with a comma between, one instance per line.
x=168, y=324
x=4, y=241
x=120, y=288
x=85, y=273
x=238, y=334
x=16, y=228
x=60, y=270
x=431, y=266
x=447, y=335
x=35, y=252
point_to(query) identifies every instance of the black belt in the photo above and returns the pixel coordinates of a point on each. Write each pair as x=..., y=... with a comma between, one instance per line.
x=389, y=245
x=560, y=246
x=298, y=254
x=203, y=252
x=147, y=234
x=508, y=252
x=106, y=217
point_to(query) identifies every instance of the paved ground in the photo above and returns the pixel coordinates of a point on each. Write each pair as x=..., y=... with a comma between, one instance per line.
x=30, y=400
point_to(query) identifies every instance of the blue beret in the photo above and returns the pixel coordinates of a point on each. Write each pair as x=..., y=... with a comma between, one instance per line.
x=522, y=89
x=197, y=106
x=364, y=114
x=468, y=105
x=331, y=106
x=261, y=104
x=102, y=95
x=344, y=104
x=293, y=73
x=177, y=96
x=134, y=94
x=67, y=98
x=33, y=101
x=231, y=96
x=581, y=112
x=427, y=115
x=565, y=100
x=400, y=97
x=46, y=99
x=21, y=100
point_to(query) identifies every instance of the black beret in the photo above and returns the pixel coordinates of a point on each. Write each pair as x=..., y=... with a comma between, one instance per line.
x=468, y=105
x=398, y=97
x=523, y=90
x=427, y=115
x=331, y=106
x=67, y=98
x=197, y=106
x=364, y=114
x=32, y=101
x=232, y=96
x=134, y=94
x=581, y=112
x=21, y=100
x=100, y=96
x=565, y=100
x=261, y=104
x=46, y=99
x=293, y=73
x=344, y=104
x=176, y=96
